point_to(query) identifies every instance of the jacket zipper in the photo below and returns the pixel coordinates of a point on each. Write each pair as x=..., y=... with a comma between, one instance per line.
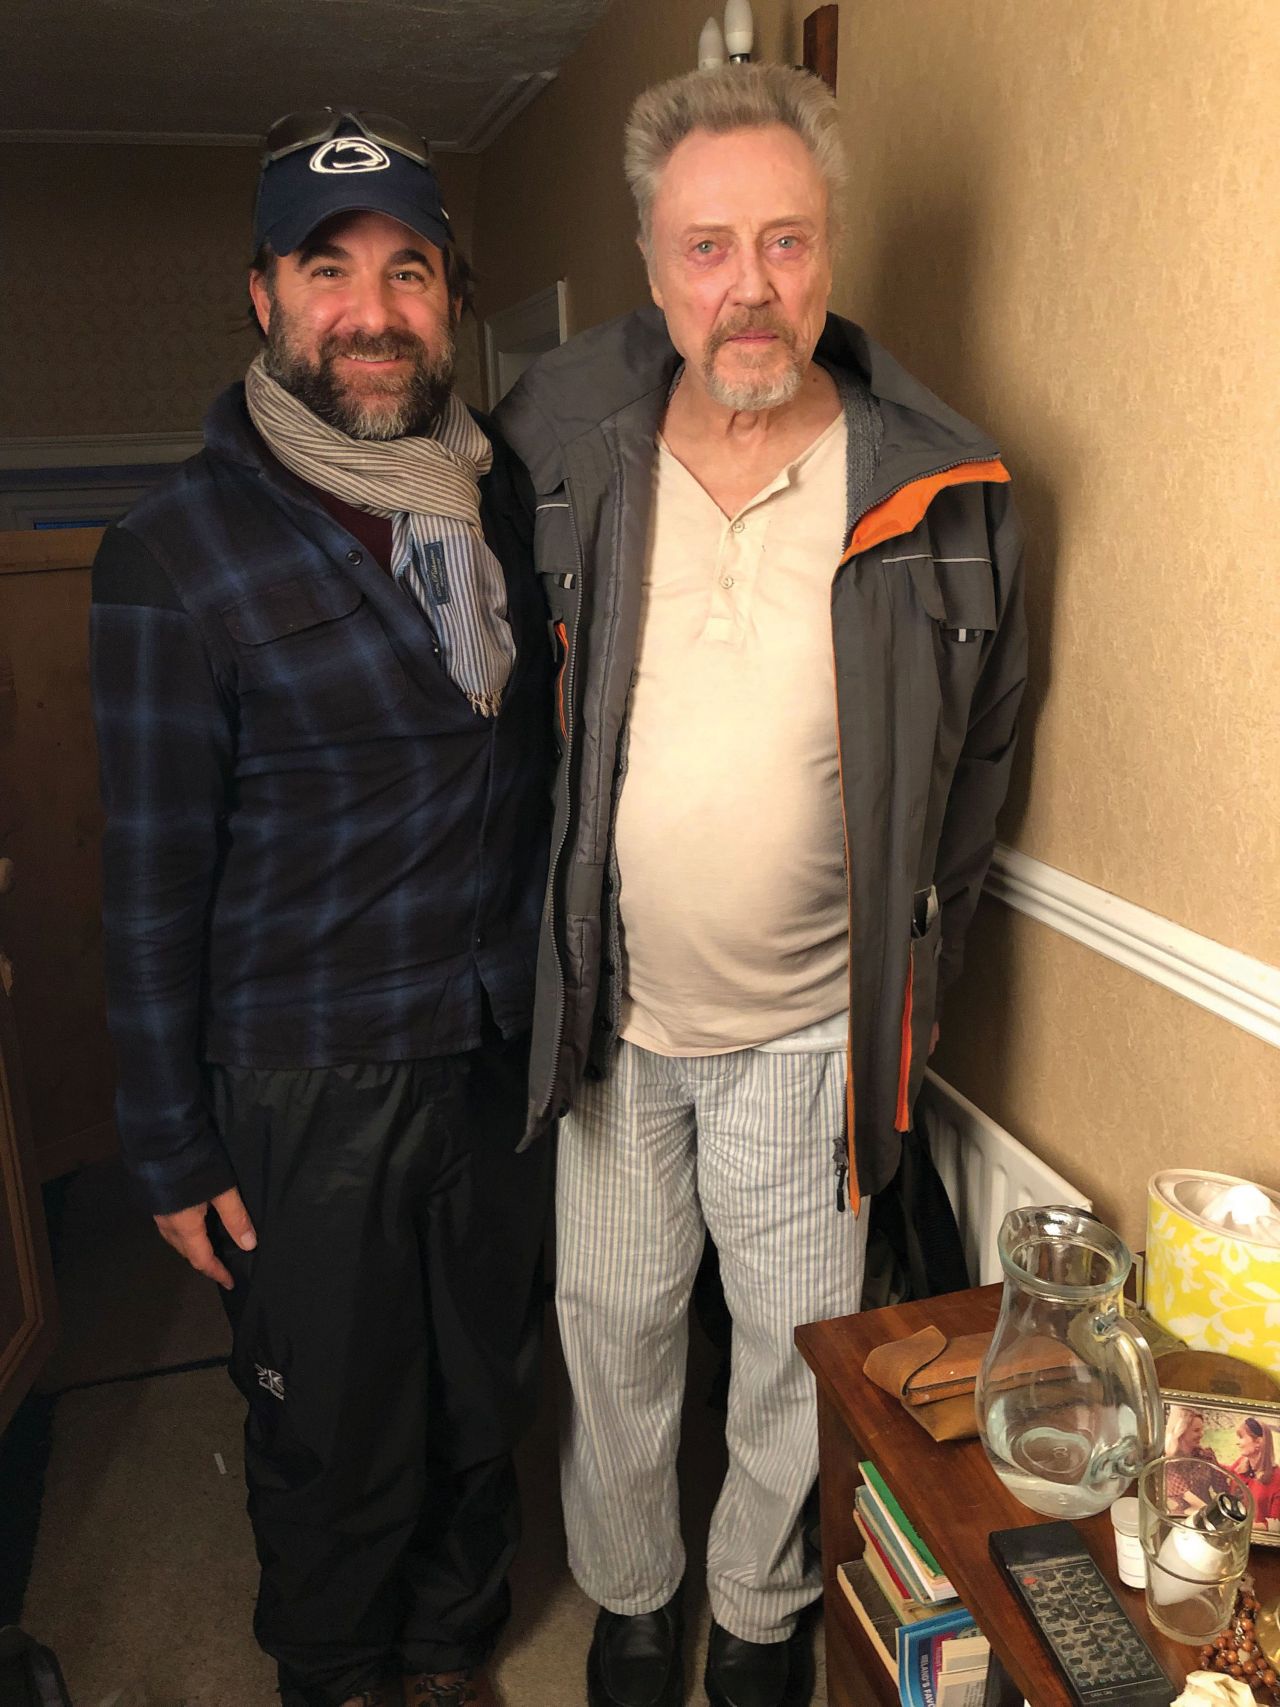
x=847, y=1192
x=902, y=1117
x=566, y=723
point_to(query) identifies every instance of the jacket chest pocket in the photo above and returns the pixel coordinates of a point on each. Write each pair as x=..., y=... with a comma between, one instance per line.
x=968, y=597
x=314, y=660
x=957, y=597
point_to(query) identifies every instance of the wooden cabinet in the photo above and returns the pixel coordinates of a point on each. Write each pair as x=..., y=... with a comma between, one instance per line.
x=26, y=1284
x=953, y=1498
x=50, y=829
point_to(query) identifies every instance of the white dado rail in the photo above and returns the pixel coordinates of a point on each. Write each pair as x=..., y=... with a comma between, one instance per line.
x=82, y=480
x=1230, y=984
x=107, y=450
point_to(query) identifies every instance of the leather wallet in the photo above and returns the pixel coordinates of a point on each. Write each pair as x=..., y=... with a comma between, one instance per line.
x=933, y=1378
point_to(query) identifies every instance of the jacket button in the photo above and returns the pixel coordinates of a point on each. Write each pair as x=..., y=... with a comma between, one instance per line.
x=355, y=557
x=562, y=1111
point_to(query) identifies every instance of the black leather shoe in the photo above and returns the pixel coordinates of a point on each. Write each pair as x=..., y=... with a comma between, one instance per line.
x=636, y=1661
x=760, y=1674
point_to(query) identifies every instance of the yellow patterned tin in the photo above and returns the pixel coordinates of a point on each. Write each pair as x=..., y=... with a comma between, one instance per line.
x=1214, y=1289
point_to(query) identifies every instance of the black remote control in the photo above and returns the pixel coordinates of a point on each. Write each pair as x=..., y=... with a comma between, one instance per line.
x=1102, y=1656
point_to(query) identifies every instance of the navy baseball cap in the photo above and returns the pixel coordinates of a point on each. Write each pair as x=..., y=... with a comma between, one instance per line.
x=326, y=162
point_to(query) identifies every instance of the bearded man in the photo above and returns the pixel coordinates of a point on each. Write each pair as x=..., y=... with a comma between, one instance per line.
x=321, y=680
x=786, y=582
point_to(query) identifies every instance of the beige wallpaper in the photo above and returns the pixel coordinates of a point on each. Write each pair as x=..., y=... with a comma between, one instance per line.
x=126, y=310
x=1103, y=1073
x=127, y=313
x=1062, y=217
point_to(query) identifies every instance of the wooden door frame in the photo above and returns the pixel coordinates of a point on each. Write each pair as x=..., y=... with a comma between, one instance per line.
x=22, y=1357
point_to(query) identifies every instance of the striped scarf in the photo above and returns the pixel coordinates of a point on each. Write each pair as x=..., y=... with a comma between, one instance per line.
x=428, y=487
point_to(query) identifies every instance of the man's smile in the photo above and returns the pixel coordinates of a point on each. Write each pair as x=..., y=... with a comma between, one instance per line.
x=375, y=361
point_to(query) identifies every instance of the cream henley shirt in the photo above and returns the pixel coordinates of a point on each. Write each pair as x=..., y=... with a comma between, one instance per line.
x=729, y=839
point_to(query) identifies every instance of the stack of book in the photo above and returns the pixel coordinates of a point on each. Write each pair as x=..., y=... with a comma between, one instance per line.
x=927, y=1641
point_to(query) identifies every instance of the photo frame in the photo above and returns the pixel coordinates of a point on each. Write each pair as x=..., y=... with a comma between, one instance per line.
x=1235, y=1434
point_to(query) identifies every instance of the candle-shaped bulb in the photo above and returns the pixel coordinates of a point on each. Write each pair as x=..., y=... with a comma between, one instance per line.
x=739, y=29
x=711, y=48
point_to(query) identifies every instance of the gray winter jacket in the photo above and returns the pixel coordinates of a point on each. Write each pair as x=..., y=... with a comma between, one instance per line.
x=930, y=656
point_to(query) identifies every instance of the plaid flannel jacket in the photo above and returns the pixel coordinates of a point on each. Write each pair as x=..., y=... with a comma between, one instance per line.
x=316, y=852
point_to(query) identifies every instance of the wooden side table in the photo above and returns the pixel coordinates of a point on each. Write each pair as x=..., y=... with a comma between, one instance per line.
x=953, y=1498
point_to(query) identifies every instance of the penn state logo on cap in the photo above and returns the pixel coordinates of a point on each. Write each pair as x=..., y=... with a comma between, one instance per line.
x=343, y=154
x=346, y=173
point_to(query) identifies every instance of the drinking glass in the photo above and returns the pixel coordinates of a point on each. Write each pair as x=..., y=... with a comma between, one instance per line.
x=1194, y=1519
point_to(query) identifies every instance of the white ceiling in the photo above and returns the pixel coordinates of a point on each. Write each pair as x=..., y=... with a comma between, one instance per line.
x=226, y=68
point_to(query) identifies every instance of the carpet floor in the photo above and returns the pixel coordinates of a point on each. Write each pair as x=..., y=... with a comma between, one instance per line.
x=144, y=1577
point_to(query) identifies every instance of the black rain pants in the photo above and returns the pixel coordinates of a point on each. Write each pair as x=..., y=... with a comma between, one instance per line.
x=386, y=1337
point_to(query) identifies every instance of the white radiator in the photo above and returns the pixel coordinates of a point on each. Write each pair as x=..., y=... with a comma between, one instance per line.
x=986, y=1172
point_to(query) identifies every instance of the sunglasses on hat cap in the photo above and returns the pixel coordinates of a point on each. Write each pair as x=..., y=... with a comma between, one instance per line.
x=318, y=124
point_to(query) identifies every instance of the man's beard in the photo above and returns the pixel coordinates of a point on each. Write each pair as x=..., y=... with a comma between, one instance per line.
x=392, y=406
x=746, y=394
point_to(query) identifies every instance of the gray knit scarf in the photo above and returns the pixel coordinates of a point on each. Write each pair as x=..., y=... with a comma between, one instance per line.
x=429, y=489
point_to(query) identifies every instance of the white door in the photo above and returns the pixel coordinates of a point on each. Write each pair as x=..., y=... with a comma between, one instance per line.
x=513, y=337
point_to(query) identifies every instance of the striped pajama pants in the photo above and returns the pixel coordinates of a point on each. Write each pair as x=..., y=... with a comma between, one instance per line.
x=741, y=1145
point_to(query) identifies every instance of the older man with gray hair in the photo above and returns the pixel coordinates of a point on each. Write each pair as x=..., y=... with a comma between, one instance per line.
x=784, y=582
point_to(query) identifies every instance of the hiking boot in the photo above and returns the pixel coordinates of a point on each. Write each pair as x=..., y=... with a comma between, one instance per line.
x=469, y=1688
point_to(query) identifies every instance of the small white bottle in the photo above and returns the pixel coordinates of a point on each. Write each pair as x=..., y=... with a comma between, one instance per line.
x=1131, y=1561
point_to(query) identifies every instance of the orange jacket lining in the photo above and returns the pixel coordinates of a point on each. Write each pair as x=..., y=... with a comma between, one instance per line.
x=903, y=510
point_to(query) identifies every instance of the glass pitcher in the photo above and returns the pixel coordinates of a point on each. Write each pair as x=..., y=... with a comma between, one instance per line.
x=1067, y=1401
